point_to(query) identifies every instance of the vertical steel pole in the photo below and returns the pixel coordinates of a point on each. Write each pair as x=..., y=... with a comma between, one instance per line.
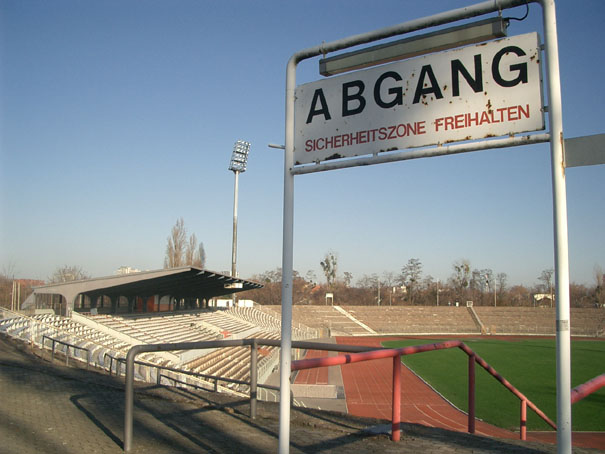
x=396, y=415
x=471, y=394
x=560, y=230
x=129, y=399
x=234, y=245
x=287, y=265
x=253, y=378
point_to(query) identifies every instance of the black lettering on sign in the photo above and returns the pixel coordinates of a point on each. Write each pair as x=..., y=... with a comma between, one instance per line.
x=433, y=88
x=347, y=97
x=322, y=110
x=458, y=68
x=520, y=67
x=397, y=100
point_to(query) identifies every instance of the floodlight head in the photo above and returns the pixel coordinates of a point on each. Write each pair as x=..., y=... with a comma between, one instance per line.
x=239, y=157
x=448, y=38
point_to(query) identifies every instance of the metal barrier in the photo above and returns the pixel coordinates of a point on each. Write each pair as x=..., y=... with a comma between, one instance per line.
x=582, y=391
x=396, y=400
x=216, y=379
x=252, y=343
x=111, y=360
x=67, y=345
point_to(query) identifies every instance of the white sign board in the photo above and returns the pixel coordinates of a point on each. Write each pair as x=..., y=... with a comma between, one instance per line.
x=485, y=90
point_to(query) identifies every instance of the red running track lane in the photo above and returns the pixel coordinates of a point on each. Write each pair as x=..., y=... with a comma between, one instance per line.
x=317, y=376
x=368, y=388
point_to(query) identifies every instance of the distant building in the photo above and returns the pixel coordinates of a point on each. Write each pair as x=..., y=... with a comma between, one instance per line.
x=543, y=299
x=126, y=270
x=222, y=302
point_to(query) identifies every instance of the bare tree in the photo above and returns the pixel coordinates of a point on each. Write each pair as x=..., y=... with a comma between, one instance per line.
x=365, y=282
x=67, y=273
x=7, y=276
x=376, y=279
x=348, y=278
x=329, y=265
x=546, y=280
x=461, y=277
x=311, y=277
x=202, y=256
x=177, y=242
x=389, y=279
x=599, y=290
x=410, y=277
x=501, y=279
x=181, y=251
x=192, y=252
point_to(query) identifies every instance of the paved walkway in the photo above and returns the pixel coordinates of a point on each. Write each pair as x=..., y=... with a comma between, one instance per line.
x=48, y=408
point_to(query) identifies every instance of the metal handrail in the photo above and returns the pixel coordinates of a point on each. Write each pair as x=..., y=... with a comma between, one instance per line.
x=67, y=344
x=253, y=343
x=216, y=378
x=585, y=389
x=396, y=355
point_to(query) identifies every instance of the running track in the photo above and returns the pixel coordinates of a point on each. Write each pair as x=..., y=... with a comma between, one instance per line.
x=368, y=388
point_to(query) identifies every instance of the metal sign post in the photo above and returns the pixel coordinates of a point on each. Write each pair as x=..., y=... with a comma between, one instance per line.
x=563, y=329
x=311, y=146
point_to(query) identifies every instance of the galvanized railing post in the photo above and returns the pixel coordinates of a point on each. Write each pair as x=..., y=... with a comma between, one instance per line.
x=396, y=417
x=253, y=377
x=129, y=398
x=471, y=394
x=52, y=355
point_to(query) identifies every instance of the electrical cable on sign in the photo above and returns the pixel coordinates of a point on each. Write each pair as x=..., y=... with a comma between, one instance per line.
x=522, y=18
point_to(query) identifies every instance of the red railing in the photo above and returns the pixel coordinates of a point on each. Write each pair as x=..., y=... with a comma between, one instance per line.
x=581, y=391
x=397, y=353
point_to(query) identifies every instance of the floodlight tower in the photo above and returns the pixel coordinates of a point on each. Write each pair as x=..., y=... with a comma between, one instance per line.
x=239, y=159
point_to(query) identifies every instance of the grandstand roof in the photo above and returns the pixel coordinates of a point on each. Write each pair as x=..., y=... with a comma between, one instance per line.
x=183, y=282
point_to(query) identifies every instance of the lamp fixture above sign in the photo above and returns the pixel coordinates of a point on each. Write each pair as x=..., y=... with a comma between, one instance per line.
x=449, y=38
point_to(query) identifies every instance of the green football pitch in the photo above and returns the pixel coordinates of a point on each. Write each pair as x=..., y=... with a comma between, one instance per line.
x=528, y=364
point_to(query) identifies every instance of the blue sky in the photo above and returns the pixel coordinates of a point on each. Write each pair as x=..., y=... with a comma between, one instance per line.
x=118, y=117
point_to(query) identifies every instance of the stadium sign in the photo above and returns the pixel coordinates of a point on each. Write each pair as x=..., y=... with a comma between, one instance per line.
x=486, y=90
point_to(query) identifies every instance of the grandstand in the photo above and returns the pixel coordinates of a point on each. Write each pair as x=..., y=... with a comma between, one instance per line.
x=443, y=320
x=99, y=338
x=539, y=321
x=105, y=339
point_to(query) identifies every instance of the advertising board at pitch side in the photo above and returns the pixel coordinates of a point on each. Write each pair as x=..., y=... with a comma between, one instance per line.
x=484, y=90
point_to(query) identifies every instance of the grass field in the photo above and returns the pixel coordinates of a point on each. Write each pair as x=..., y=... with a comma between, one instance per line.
x=528, y=364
